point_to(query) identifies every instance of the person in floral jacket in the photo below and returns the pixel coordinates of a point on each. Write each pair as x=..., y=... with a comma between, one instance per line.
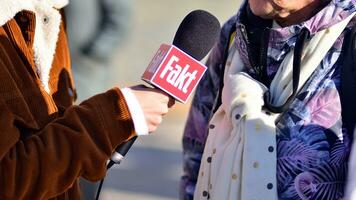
x=312, y=143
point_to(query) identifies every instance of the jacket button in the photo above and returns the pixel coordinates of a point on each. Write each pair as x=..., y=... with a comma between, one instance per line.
x=211, y=126
x=269, y=186
x=208, y=159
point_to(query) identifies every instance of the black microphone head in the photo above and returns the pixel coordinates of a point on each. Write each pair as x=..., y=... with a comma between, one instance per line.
x=197, y=33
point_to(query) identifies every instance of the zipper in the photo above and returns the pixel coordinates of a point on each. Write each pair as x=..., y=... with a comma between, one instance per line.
x=247, y=42
x=244, y=33
x=259, y=65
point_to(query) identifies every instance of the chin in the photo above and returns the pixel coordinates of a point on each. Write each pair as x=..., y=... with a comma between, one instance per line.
x=263, y=11
x=264, y=14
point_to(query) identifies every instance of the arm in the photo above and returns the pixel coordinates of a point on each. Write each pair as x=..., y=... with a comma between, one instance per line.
x=78, y=143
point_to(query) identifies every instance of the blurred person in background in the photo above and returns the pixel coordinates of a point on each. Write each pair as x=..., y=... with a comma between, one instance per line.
x=96, y=30
x=265, y=122
x=48, y=143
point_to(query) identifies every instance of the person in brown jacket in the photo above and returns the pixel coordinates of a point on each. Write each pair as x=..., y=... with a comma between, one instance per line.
x=47, y=142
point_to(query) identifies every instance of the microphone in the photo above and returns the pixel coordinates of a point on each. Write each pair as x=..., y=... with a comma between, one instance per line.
x=175, y=68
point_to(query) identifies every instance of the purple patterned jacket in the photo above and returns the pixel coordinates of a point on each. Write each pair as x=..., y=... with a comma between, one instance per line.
x=312, y=144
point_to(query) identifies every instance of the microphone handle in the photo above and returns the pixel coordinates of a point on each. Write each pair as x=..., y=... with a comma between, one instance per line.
x=120, y=152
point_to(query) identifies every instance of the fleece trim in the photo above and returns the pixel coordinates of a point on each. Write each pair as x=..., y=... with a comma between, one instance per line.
x=48, y=20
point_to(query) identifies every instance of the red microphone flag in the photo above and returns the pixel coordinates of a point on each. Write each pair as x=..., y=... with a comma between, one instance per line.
x=174, y=72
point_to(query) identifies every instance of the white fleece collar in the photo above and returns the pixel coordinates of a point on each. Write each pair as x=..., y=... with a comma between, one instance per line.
x=48, y=20
x=9, y=8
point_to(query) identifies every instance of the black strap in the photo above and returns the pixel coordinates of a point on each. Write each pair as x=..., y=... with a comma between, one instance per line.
x=348, y=81
x=297, y=59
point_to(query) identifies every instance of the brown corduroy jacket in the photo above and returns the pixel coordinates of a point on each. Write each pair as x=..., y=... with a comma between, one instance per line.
x=46, y=142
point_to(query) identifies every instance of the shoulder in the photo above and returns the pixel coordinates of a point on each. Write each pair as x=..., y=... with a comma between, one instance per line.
x=216, y=57
x=226, y=30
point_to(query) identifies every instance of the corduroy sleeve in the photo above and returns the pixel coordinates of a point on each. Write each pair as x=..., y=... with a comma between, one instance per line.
x=77, y=143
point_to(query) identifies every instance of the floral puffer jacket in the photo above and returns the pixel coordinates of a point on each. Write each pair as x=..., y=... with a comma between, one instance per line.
x=312, y=143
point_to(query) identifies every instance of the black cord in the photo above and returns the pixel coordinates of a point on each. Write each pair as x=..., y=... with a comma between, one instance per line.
x=299, y=46
x=99, y=189
x=109, y=165
x=122, y=150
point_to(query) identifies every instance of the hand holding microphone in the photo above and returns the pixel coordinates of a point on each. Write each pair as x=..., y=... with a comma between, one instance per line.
x=154, y=104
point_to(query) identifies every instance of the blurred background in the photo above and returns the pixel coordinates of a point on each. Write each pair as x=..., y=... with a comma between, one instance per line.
x=132, y=32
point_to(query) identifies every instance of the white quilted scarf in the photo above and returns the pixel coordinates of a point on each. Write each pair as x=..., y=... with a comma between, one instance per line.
x=239, y=160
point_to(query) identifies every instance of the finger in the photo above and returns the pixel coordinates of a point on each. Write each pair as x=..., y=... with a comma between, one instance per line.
x=152, y=128
x=165, y=99
x=171, y=102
